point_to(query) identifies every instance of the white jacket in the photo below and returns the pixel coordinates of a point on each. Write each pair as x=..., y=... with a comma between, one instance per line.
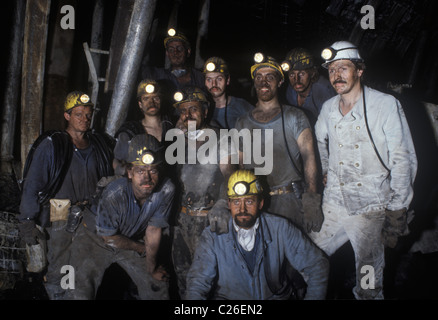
x=355, y=177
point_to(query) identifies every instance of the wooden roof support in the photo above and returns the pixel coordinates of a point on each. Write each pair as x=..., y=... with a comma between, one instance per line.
x=32, y=84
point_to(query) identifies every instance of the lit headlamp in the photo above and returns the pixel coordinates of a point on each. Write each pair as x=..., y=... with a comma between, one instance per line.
x=210, y=67
x=144, y=157
x=241, y=188
x=171, y=32
x=150, y=88
x=84, y=98
x=259, y=57
x=147, y=158
x=285, y=66
x=330, y=53
x=178, y=96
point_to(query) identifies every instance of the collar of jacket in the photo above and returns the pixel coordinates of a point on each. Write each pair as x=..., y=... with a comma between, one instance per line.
x=357, y=111
x=263, y=228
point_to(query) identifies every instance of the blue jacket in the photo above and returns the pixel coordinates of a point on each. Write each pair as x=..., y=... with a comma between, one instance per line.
x=218, y=263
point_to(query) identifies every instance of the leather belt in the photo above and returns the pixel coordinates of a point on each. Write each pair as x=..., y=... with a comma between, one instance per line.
x=281, y=190
x=195, y=213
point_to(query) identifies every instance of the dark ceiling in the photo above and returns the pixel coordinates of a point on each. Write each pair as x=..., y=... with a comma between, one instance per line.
x=401, y=49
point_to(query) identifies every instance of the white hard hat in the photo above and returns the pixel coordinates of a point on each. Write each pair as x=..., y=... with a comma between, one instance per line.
x=340, y=50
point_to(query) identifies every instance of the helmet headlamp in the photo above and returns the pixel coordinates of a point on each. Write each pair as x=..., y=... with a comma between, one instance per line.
x=210, y=67
x=84, y=98
x=285, y=66
x=147, y=158
x=259, y=57
x=178, y=96
x=150, y=88
x=330, y=53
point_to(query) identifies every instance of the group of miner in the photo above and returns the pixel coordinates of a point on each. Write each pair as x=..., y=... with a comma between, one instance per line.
x=343, y=168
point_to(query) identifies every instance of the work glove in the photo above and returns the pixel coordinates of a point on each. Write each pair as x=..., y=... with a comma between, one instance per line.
x=312, y=217
x=394, y=226
x=29, y=233
x=219, y=216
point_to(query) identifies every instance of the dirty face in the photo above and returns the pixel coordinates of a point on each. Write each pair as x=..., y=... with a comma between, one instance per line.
x=177, y=53
x=216, y=83
x=245, y=210
x=300, y=80
x=192, y=111
x=344, y=76
x=266, y=83
x=144, y=180
x=79, y=119
x=150, y=104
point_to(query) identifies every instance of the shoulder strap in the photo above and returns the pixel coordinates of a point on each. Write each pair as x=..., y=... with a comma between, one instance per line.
x=369, y=132
x=63, y=151
x=287, y=145
x=104, y=145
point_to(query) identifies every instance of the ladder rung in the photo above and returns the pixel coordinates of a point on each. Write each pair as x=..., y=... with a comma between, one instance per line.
x=99, y=51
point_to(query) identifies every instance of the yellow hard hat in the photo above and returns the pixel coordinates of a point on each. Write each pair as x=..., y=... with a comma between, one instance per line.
x=77, y=98
x=147, y=86
x=243, y=183
x=262, y=61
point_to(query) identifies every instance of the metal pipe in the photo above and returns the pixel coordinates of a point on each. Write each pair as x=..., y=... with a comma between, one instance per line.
x=96, y=34
x=138, y=32
x=12, y=90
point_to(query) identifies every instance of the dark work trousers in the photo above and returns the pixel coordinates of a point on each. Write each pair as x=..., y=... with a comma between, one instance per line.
x=290, y=207
x=58, y=255
x=90, y=257
x=185, y=240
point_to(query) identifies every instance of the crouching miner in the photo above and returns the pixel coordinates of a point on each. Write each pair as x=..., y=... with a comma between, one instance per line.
x=129, y=219
x=248, y=262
